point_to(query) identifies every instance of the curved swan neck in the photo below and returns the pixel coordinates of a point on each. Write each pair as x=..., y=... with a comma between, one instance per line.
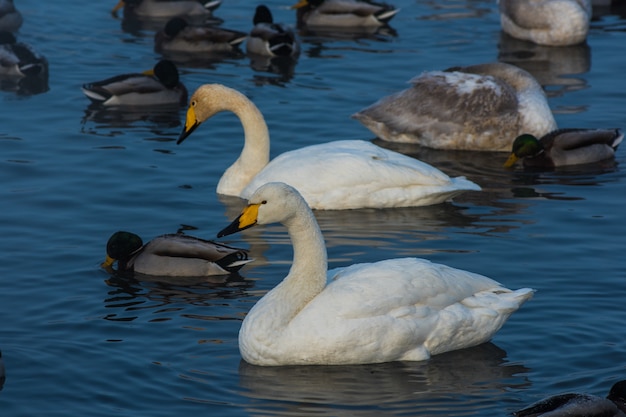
x=255, y=154
x=307, y=276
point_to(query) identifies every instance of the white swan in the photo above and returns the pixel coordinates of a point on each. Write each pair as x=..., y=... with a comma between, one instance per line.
x=344, y=174
x=546, y=22
x=480, y=108
x=393, y=310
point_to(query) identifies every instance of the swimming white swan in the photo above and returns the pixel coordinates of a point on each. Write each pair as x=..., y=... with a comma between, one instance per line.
x=480, y=108
x=546, y=22
x=345, y=174
x=393, y=310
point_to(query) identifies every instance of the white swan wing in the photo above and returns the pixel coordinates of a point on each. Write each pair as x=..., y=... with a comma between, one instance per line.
x=355, y=174
x=400, y=309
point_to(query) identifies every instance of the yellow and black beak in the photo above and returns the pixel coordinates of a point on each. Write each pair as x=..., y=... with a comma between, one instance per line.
x=511, y=161
x=191, y=123
x=246, y=219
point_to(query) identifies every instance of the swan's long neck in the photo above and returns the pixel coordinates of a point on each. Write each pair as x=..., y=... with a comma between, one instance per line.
x=256, y=149
x=307, y=276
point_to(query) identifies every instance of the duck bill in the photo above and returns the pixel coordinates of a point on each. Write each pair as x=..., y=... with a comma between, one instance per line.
x=118, y=6
x=245, y=220
x=108, y=262
x=300, y=3
x=191, y=123
x=149, y=73
x=511, y=161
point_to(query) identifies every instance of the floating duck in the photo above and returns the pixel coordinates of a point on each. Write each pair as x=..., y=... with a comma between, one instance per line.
x=159, y=86
x=337, y=175
x=271, y=39
x=173, y=255
x=480, y=108
x=166, y=8
x=580, y=405
x=18, y=60
x=179, y=36
x=565, y=147
x=343, y=13
x=394, y=310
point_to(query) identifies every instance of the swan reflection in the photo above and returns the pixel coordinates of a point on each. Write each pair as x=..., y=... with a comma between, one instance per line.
x=474, y=378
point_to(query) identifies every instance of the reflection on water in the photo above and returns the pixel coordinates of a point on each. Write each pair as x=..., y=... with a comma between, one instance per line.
x=129, y=295
x=319, y=34
x=283, y=66
x=156, y=118
x=554, y=67
x=468, y=381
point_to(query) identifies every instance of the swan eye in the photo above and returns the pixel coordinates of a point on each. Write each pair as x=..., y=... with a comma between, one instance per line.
x=193, y=103
x=264, y=202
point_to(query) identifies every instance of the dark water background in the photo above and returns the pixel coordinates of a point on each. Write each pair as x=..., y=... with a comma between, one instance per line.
x=77, y=341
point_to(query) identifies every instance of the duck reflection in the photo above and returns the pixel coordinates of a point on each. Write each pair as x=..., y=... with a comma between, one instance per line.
x=482, y=371
x=160, y=117
x=553, y=67
x=130, y=295
x=283, y=68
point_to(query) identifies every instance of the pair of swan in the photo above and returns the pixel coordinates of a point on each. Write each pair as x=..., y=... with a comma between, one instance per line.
x=344, y=174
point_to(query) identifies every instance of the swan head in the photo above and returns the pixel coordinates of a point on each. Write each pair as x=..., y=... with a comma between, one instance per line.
x=274, y=202
x=206, y=101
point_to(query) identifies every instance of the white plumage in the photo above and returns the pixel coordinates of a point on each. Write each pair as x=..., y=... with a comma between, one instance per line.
x=393, y=310
x=344, y=174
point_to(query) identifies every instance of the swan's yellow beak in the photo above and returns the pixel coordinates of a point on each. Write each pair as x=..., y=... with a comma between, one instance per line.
x=246, y=219
x=191, y=123
x=108, y=262
x=511, y=161
x=300, y=4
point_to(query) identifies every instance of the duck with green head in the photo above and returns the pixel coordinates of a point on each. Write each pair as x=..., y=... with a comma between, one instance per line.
x=172, y=255
x=565, y=147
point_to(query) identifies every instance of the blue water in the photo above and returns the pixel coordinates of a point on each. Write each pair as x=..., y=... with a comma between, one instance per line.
x=77, y=341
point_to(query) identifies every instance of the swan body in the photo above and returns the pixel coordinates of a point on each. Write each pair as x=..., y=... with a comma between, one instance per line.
x=565, y=147
x=10, y=18
x=271, y=39
x=159, y=86
x=546, y=22
x=395, y=310
x=580, y=405
x=179, y=36
x=174, y=255
x=343, y=13
x=343, y=174
x=480, y=108
x=19, y=60
x=167, y=9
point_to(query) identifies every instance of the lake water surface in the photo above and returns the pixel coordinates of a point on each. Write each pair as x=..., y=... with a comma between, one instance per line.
x=77, y=341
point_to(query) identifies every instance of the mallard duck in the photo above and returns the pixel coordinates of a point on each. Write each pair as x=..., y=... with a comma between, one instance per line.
x=480, y=108
x=394, y=310
x=10, y=18
x=343, y=13
x=18, y=60
x=546, y=22
x=159, y=86
x=166, y=8
x=174, y=255
x=179, y=36
x=271, y=39
x=565, y=147
x=344, y=174
x=580, y=405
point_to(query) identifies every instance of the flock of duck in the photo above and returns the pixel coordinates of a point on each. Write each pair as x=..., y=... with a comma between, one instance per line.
x=395, y=310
